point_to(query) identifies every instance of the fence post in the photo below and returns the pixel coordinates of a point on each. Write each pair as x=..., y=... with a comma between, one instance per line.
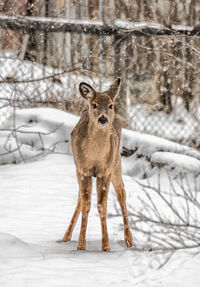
x=119, y=72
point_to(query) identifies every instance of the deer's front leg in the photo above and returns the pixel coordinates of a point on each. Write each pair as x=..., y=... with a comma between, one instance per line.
x=102, y=194
x=85, y=183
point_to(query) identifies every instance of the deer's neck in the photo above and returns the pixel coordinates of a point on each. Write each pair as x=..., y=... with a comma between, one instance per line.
x=98, y=134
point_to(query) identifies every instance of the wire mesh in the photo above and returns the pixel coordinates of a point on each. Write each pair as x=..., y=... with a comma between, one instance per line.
x=160, y=74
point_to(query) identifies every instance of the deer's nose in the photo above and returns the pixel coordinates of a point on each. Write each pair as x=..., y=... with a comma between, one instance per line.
x=103, y=120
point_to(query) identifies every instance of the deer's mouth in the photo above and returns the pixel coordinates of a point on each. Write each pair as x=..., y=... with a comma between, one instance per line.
x=103, y=121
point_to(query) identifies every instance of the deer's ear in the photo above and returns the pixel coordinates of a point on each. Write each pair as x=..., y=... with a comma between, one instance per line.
x=86, y=91
x=114, y=89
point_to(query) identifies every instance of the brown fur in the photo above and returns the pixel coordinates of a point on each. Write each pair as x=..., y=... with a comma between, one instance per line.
x=96, y=153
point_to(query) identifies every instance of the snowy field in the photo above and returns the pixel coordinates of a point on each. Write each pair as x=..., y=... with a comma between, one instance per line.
x=38, y=196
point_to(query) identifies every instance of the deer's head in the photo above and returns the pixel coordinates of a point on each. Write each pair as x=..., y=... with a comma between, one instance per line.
x=101, y=105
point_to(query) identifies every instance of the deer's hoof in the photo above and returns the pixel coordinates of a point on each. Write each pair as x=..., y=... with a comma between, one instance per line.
x=129, y=243
x=66, y=238
x=128, y=238
x=81, y=247
x=106, y=248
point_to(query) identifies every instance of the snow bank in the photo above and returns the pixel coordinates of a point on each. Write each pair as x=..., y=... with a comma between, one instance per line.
x=179, y=160
x=150, y=152
x=11, y=246
x=40, y=131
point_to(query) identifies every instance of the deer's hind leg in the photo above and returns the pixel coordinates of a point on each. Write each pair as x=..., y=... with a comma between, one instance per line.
x=68, y=233
x=121, y=196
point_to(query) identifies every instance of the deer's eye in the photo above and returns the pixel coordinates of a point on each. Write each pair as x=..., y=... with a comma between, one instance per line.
x=111, y=107
x=94, y=106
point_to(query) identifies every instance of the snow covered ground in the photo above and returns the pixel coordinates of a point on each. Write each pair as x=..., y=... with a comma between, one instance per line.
x=36, y=206
x=38, y=196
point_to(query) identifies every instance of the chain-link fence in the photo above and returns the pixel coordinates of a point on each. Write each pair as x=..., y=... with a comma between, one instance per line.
x=43, y=60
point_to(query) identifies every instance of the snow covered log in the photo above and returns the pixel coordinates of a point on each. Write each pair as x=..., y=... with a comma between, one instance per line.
x=120, y=27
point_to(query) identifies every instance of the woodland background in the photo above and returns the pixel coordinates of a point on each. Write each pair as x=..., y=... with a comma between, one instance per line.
x=160, y=72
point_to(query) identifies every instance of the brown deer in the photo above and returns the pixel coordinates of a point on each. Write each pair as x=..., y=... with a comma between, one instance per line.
x=96, y=148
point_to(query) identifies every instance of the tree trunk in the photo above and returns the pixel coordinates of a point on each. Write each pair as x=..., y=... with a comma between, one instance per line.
x=12, y=40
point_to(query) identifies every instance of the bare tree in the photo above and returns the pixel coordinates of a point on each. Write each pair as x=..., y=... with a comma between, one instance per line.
x=168, y=218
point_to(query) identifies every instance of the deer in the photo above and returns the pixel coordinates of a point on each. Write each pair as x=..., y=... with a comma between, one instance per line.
x=95, y=144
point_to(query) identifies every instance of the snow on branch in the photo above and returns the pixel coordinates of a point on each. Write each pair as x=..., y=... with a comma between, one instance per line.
x=120, y=27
